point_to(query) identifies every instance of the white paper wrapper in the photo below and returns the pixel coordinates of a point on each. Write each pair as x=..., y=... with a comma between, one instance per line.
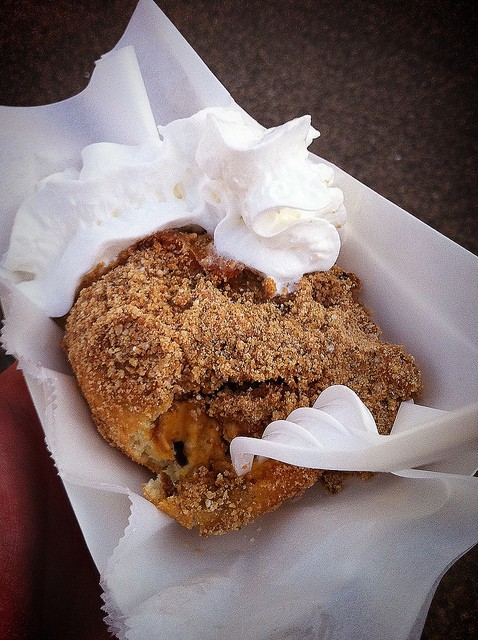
x=362, y=564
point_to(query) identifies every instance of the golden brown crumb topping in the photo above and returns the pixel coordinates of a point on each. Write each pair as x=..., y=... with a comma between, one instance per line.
x=173, y=329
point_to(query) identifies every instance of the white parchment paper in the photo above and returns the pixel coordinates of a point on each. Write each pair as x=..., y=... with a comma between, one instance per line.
x=362, y=564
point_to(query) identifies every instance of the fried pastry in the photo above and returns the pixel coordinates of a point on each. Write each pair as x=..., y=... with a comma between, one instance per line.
x=177, y=351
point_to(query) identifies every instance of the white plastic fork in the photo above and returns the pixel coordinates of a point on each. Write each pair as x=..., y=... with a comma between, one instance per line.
x=339, y=433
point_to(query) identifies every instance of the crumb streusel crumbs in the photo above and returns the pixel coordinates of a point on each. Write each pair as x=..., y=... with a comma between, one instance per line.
x=177, y=351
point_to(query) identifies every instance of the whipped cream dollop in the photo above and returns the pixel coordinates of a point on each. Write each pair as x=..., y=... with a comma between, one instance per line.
x=267, y=202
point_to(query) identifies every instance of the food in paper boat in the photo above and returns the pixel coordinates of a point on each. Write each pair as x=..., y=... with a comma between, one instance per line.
x=197, y=275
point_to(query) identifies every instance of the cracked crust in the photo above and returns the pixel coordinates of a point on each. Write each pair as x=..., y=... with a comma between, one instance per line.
x=177, y=351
